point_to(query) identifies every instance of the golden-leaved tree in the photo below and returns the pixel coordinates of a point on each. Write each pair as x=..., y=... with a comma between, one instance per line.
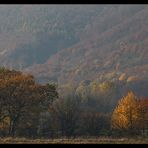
x=126, y=115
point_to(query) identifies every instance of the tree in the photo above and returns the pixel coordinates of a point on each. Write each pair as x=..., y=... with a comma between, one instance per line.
x=66, y=112
x=22, y=99
x=82, y=91
x=94, y=88
x=126, y=114
x=143, y=109
x=106, y=86
x=93, y=123
x=122, y=77
x=66, y=90
x=132, y=79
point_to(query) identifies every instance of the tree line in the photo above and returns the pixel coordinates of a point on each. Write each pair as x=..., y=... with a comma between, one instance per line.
x=29, y=109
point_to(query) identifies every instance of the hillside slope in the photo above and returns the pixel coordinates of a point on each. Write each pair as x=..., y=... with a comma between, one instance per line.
x=112, y=44
x=31, y=34
x=74, y=43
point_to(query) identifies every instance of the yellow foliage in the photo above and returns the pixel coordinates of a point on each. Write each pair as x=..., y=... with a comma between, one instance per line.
x=106, y=86
x=5, y=123
x=81, y=91
x=126, y=115
x=94, y=87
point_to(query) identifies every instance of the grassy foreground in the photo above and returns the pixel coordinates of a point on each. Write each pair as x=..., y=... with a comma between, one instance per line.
x=74, y=141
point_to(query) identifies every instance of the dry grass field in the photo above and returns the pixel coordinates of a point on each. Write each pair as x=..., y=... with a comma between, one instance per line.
x=74, y=141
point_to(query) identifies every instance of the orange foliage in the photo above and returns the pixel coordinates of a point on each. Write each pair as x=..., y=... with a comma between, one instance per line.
x=22, y=98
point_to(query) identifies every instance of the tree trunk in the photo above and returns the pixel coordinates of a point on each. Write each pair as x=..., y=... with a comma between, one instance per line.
x=12, y=128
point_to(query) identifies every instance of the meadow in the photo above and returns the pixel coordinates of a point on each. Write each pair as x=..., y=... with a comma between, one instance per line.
x=75, y=141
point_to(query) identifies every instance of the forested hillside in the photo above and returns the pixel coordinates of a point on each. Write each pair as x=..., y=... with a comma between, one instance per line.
x=30, y=34
x=78, y=46
x=73, y=71
x=73, y=43
x=112, y=43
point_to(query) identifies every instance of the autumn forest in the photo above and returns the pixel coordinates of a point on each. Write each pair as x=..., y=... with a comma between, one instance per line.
x=73, y=73
x=33, y=110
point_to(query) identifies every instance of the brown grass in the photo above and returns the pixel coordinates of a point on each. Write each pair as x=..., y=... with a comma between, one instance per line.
x=74, y=141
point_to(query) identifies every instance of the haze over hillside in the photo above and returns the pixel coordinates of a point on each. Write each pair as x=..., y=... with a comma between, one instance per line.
x=32, y=33
x=74, y=43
